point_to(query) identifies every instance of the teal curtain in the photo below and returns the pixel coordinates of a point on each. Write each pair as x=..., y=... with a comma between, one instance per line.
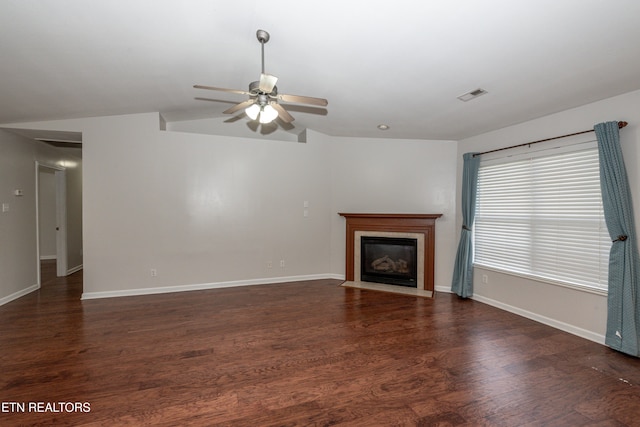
x=623, y=311
x=462, y=283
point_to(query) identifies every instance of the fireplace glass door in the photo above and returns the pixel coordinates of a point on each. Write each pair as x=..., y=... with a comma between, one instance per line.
x=389, y=260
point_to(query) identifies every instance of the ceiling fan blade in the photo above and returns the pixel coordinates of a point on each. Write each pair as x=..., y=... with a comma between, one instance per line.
x=303, y=99
x=282, y=113
x=240, y=106
x=241, y=92
x=207, y=99
x=267, y=82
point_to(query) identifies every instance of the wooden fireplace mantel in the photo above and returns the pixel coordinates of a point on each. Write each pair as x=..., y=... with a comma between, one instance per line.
x=402, y=223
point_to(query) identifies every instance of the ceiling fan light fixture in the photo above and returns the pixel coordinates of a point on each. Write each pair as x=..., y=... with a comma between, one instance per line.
x=252, y=111
x=268, y=114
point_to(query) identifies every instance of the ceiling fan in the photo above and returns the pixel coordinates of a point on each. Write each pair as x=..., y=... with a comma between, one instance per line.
x=263, y=103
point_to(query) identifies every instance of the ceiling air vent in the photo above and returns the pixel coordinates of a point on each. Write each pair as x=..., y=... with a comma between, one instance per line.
x=471, y=95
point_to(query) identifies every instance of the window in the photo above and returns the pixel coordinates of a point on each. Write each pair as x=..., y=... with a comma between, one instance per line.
x=540, y=215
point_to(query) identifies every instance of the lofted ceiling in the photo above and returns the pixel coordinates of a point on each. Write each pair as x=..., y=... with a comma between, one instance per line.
x=402, y=63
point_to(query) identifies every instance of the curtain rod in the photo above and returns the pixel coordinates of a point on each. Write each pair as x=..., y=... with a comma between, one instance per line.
x=620, y=126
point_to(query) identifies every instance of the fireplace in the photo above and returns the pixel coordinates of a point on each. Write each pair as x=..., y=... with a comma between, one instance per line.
x=389, y=260
x=399, y=228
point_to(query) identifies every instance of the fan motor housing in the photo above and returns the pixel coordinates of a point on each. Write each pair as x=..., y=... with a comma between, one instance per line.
x=254, y=89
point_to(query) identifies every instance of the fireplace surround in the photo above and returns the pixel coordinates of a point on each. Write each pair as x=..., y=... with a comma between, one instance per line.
x=412, y=226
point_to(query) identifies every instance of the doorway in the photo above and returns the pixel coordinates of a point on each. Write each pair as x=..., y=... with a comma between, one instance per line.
x=51, y=217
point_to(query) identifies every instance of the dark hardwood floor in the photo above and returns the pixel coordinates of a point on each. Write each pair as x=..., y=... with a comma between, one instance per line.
x=299, y=354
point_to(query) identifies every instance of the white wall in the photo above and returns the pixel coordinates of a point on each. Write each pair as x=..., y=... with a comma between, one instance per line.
x=207, y=210
x=18, y=268
x=576, y=311
x=201, y=210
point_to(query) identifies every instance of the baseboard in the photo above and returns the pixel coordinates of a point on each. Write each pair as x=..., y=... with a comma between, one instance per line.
x=74, y=269
x=18, y=294
x=203, y=286
x=583, y=333
x=47, y=257
x=444, y=289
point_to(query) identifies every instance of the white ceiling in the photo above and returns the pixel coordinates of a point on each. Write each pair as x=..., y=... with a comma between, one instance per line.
x=397, y=62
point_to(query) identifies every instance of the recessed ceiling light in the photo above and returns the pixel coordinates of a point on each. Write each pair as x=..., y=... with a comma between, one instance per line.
x=383, y=127
x=472, y=94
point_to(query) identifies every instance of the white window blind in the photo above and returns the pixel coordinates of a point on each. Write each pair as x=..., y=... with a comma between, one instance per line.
x=541, y=216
